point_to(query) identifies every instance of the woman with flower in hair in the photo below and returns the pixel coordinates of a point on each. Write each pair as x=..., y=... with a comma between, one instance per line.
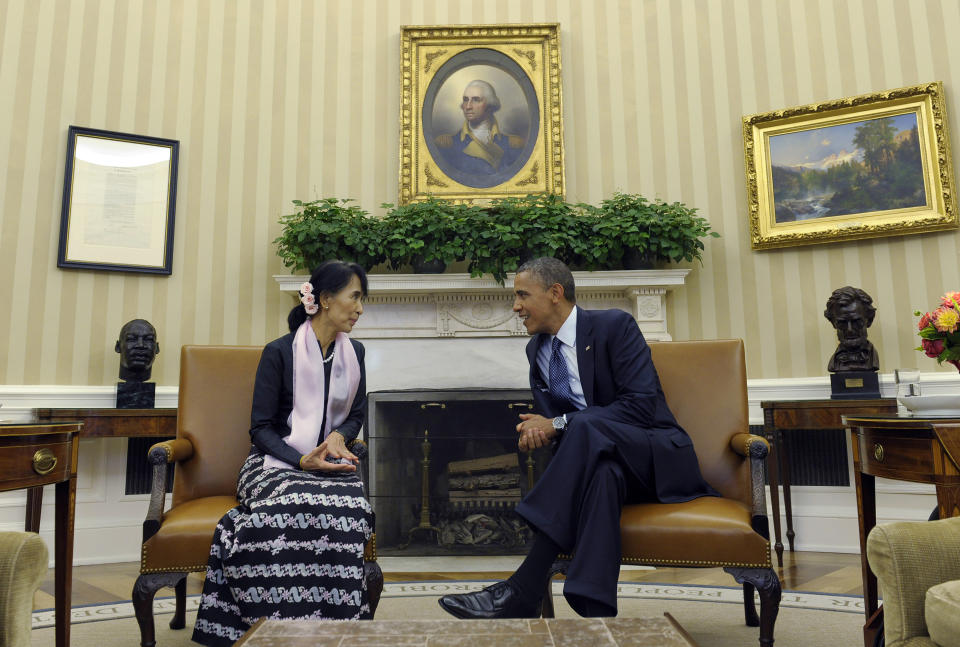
x=293, y=547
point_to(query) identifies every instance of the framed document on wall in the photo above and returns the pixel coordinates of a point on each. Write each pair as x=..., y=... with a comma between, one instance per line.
x=119, y=199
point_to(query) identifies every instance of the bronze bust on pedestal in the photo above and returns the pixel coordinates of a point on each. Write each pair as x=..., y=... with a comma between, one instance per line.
x=138, y=347
x=855, y=362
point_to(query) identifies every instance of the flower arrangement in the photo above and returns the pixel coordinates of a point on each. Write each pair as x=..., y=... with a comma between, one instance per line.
x=938, y=330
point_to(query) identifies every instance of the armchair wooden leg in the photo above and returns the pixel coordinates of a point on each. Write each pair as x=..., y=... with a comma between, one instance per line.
x=144, y=589
x=546, y=605
x=750, y=616
x=179, y=620
x=374, y=577
x=768, y=585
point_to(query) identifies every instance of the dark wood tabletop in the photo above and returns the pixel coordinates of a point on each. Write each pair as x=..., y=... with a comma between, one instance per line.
x=904, y=448
x=116, y=423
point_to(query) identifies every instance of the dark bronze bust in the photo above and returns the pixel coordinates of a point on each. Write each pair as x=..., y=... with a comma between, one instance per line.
x=851, y=312
x=138, y=347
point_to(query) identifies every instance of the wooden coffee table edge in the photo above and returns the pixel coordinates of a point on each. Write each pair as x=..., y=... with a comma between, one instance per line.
x=680, y=630
x=250, y=632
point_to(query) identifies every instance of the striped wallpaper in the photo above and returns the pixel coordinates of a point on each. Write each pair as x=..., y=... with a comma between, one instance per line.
x=276, y=100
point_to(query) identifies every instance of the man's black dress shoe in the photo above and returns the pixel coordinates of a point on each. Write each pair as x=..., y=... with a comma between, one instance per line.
x=500, y=600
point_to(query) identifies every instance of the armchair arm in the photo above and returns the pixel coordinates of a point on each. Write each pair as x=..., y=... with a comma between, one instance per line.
x=909, y=557
x=750, y=445
x=359, y=448
x=756, y=449
x=160, y=454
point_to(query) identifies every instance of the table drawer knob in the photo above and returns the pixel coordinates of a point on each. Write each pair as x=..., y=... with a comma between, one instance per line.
x=44, y=461
x=878, y=452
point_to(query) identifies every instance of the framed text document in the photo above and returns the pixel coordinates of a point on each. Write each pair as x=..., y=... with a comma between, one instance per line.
x=119, y=199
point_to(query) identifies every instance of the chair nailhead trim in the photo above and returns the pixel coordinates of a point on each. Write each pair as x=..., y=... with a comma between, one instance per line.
x=684, y=562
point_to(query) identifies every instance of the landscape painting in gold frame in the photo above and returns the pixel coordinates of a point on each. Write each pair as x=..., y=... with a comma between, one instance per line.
x=512, y=76
x=862, y=167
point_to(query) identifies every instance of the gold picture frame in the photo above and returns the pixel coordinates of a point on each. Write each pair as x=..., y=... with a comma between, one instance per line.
x=862, y=167
x=519, y=69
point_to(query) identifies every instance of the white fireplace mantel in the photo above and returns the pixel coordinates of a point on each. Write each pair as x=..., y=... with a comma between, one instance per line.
x=456, y=305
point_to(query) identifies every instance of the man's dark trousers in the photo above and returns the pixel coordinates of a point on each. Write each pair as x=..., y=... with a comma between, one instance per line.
x=578, y=499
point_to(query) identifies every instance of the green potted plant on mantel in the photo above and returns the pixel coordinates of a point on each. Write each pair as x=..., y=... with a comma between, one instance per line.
x=640, y=233
x=426, y=235
x=513, y=230
x=624, y=231
x=328, y=228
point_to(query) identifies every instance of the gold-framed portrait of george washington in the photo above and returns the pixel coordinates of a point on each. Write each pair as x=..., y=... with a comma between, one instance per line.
x=481, y=112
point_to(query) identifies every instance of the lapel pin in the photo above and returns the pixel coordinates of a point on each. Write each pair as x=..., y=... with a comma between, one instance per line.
x=587, y=348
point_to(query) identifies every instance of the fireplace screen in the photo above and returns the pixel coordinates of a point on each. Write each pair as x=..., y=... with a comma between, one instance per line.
x=445, y=473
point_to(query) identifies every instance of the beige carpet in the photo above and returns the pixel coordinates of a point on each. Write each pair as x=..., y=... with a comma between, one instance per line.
x=712, y=615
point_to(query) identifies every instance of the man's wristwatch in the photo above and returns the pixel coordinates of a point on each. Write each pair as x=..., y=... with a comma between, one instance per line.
x=560, y=423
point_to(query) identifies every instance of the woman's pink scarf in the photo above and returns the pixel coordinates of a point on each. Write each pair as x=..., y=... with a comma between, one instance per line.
x=307, y=414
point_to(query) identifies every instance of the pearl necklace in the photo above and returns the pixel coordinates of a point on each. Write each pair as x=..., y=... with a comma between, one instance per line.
x=327, y=360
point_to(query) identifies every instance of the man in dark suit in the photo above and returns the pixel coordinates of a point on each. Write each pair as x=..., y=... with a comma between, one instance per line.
x=615, y=442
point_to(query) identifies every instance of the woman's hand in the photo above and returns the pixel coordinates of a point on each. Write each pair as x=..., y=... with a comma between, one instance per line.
x=316, y=460
x=337, y=446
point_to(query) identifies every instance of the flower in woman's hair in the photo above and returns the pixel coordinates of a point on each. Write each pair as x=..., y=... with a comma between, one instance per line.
x=946, y=319
x=308, y=300
x=932, y=347
x=951, y=299
x=306, y=288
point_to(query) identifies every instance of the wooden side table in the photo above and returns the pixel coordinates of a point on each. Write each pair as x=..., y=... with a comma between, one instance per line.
x=920, y=450
x=781, y=416
x=34, y=455
x=116, y=423
x=106, y=423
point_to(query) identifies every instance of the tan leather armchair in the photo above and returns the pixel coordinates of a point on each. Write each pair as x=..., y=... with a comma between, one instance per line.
x=705, y=383
x=213, y=419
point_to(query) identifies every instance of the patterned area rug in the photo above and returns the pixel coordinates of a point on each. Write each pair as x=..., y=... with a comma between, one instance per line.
x=712, y=615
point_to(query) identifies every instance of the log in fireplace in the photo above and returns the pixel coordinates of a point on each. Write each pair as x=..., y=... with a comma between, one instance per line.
x=445, y=473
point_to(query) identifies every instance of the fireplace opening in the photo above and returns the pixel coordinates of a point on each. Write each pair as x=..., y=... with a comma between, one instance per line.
x=445, y=473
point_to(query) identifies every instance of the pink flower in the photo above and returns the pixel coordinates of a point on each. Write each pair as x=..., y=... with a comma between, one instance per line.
x=950, y=299
x=309, y=303
x=306, y=288
x=924, y=321
x=932, y=347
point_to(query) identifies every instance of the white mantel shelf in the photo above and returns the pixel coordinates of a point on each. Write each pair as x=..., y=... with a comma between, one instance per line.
x=456, y=305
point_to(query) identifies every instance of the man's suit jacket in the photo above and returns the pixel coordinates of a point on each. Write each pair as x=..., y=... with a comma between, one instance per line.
x=622, y=389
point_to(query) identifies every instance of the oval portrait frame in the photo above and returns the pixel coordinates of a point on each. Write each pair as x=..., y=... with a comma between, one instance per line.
x=492, y=58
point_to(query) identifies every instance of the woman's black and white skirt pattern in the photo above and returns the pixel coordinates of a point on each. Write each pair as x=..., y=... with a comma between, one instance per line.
x=292, y=550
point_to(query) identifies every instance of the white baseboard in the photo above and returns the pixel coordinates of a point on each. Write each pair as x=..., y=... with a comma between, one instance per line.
x=108, y=522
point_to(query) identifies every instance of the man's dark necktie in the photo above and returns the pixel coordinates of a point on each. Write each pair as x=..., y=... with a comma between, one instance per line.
x=560, y=378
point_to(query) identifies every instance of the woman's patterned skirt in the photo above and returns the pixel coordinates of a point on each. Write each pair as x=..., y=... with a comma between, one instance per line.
x=292, y=550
